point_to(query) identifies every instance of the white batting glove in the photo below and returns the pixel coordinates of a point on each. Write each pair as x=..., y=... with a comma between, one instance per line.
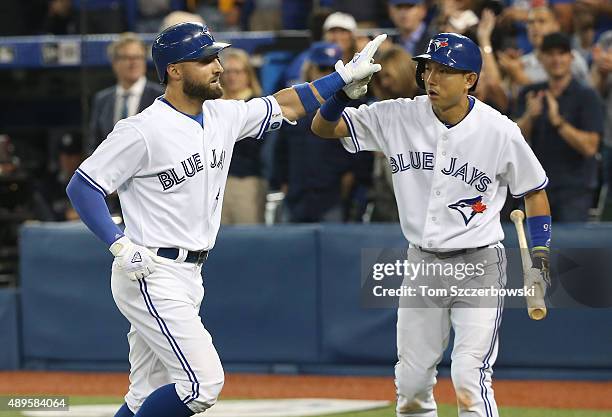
x=361, y=66
x=136, y=261
x=357, y=89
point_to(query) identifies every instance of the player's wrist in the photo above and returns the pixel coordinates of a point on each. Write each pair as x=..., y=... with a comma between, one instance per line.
x=341, y=96
x=329, y=84
x=326, y=86
x=119, y=245
x=540, y=256
x=332, y=109
x=539, y=230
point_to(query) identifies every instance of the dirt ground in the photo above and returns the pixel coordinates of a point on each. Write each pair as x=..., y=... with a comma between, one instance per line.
x=549, y=394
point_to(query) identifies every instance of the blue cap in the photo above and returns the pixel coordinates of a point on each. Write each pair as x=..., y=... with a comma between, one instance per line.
x=400, y=2
x=324, y=53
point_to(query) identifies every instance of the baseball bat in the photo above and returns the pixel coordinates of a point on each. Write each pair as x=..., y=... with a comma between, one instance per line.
x=536, y=306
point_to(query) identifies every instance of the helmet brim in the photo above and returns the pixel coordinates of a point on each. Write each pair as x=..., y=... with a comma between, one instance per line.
x=205, y=51
x=421, y=57
x=447, y=62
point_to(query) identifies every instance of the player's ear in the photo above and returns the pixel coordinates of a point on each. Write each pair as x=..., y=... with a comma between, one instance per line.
x=174, y=72
x=470, y=79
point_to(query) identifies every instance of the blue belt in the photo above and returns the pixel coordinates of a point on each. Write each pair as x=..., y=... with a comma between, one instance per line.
x=194, y=257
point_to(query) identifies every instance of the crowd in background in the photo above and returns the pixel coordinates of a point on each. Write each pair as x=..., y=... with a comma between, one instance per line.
x=545, y=66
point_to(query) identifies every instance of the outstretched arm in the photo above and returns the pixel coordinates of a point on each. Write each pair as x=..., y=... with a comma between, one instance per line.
x=299, y=100
x=290, y=102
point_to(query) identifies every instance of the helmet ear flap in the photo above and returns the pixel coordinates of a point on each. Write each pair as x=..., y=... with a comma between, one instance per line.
x=420, y=68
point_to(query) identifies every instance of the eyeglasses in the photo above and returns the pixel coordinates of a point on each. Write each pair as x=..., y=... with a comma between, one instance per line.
x=130, y=57
x=234, y=71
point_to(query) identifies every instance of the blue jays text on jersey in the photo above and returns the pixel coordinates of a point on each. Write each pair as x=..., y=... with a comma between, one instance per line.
x=217, y=163
x=189, y=167
x=426, y=161
x=170, y=178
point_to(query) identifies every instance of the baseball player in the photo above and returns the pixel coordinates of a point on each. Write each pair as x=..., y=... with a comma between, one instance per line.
x=169, y=165
x=453, y=159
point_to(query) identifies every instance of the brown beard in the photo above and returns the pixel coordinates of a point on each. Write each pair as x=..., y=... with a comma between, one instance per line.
x=201, y=91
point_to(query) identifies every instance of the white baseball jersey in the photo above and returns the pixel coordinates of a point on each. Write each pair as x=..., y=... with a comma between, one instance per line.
x=450, y=183
x=170, y=173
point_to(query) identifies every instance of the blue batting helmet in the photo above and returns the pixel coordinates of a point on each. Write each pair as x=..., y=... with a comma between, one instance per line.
x=453, y=50
x=183, y=42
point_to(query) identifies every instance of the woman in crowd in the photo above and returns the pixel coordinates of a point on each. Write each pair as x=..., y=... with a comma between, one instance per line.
x=245, y=191
x=395, y=80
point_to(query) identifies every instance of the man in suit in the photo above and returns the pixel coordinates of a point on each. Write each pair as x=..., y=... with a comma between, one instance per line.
x=409, y=18
x=129, y=96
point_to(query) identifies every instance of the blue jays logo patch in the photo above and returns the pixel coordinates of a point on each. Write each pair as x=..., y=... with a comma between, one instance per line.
x=469, y=207
x=330, y=52
x=438, y=43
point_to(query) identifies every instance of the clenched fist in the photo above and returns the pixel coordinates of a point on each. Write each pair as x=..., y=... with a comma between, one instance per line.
x=136, y=261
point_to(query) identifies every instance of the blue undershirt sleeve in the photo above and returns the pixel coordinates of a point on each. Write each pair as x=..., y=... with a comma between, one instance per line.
x=91, y=206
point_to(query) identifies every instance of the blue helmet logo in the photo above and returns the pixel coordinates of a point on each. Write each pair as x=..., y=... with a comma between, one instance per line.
x=438, y=43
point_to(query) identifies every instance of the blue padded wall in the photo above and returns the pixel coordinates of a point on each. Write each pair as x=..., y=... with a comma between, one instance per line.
x=9, y=329
x=67, y=307
x=276, y=295
x=350, y=333
x=260, y=302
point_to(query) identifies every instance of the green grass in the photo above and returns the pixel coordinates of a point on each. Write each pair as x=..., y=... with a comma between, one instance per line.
x=443, y=410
